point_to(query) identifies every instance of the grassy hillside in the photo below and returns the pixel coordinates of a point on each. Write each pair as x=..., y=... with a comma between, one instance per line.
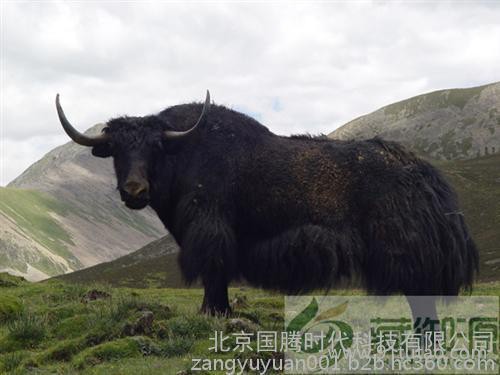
x=443, y=125
x=436, y=99
x=477, y=182
x=31, y=216
x=54, y=327
x=154, y=265
x=32, y=212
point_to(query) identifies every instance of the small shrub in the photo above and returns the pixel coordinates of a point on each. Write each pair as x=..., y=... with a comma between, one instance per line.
x=239, y=301
x=62, y=292
x=198, y=326
x=177, y=346
x=118, y=310
x=73, y=327
x=276, y=319
x=270, y=303
x=179, y=326
x=253, y=315
x=160, y=311
x=11, y=361
x=160, y=329
x=241, y=325
x=28, y=330
x=103, y=330
x=201, y=325
x=107, y=320
x=10, y=307
x=58, y=313
x=147, y=346
x=121, y=308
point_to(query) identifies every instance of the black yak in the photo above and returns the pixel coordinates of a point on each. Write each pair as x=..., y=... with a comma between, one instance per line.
x=292, y=214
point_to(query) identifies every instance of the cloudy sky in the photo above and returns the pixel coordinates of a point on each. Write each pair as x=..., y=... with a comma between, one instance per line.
x=294, y=66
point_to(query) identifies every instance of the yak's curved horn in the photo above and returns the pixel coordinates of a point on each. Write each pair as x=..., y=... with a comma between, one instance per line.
x=170, y=134
x=74, y=134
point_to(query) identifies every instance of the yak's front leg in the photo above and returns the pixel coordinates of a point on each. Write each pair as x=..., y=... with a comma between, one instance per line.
x=208, y=251
x=425, y=317
x=215, y=300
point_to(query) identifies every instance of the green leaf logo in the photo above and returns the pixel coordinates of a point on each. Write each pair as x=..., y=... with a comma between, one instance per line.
x=330, y=313
x=301, y=320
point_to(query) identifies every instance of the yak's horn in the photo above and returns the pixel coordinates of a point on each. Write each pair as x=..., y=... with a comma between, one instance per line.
x=170, y=134
x=74, y=134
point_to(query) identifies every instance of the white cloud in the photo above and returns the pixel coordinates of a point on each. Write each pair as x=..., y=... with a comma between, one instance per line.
x=323, y=63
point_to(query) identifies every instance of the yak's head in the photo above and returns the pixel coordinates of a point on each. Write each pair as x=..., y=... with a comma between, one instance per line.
x=136, y=145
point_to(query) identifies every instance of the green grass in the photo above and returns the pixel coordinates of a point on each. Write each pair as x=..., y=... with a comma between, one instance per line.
x=477, y=182
x=435, y=99
x=57, y=331
x=161, y=271
x=32, y=212
x=108, y=351
x=26, y=331
x=9, y=307
x=60, y=332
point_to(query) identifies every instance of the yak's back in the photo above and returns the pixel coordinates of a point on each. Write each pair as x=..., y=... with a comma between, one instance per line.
x=220, y=122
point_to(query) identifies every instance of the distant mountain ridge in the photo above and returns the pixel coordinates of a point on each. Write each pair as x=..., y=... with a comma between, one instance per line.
x=64, y=213
x=443, y=125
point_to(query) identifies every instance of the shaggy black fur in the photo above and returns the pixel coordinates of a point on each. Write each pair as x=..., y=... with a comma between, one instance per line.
x=293, y=213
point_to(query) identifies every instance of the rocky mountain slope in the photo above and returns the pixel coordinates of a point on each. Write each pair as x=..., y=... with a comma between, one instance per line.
x=64, y=213
x=443, y=125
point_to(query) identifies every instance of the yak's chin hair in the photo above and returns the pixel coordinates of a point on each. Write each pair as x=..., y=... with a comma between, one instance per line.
x=136, y=204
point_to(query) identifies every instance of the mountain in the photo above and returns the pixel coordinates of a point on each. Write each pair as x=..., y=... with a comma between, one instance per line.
x=63, y=213
x=442, y=125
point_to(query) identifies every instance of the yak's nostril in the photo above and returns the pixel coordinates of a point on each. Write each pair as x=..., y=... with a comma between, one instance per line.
x=135, y=188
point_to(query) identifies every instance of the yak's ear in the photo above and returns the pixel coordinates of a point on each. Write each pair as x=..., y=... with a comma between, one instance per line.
x=102, y=150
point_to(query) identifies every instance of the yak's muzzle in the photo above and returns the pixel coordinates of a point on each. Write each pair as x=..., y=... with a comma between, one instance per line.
x=136, y=189
x=135, y=193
